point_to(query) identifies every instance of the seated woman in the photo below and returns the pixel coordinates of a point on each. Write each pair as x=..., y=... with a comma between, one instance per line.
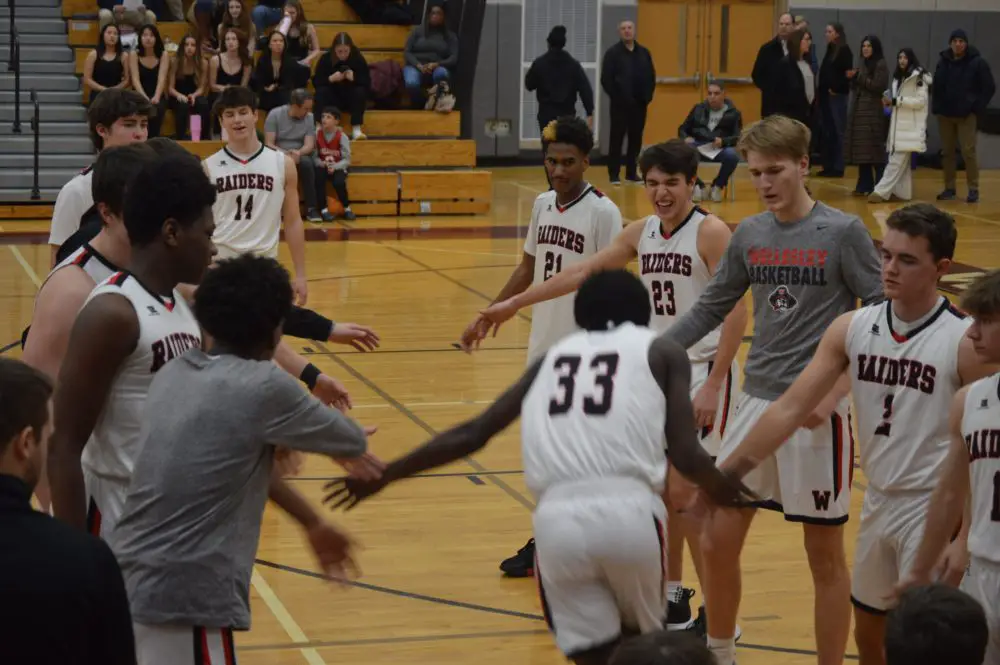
x=272, y=77
x=105, y=65
x=342, y=80
x=237, y=16
x=431, y=52
x=148, y=67
x=230, y=67
x=303, y=43
x=188, y=87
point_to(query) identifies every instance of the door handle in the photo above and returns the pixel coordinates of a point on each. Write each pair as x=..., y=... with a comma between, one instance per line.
x=694, y=81
x=741, y=80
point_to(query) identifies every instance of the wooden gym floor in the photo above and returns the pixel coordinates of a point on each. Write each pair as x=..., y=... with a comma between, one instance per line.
x=430, y=590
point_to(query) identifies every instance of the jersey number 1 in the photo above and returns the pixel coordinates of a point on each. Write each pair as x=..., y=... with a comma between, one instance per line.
x=242, y=212
x=605, y=365
x=885, y=427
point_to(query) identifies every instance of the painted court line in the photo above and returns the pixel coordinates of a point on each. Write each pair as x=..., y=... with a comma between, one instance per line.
x=28, y=270
x=284, y=618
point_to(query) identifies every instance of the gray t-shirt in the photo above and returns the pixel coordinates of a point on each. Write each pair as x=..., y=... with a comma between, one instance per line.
x=802, y=275
x=191, y=523
x=290, y=133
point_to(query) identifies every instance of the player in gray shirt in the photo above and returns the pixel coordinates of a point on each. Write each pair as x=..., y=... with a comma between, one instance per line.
x=805, y=264
x=191, y=523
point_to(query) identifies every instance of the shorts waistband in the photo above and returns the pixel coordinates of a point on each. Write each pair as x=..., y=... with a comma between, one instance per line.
x=576, y=490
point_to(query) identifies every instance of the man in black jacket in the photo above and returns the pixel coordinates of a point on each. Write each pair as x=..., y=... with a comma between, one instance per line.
x=963, y=87
x=714, y=125
x=767, y=61
x=63, y=596
x=629, y=79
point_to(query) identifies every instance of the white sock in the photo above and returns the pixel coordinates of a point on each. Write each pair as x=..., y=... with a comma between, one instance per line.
x=723, y=650
x=674, y=591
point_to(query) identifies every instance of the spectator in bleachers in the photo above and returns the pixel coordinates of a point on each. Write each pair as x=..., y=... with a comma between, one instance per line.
x=206, y=15
x=292, y=130
x=237, y=16
x=867, y=124
x=230, y=67
x=431, y=52
x=188, y=87
x=713, y=127
x=796, y=96
x=272, y=77
x=834, y=92
x=148, y=69
x=303, y=43
x=342, y=79
x=333, y=157
x=105, y=65
x=936, y=625
x=558, y=79
x=113, y=11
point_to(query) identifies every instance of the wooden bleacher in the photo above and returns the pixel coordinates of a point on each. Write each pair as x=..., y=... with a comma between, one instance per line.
x=412, y=162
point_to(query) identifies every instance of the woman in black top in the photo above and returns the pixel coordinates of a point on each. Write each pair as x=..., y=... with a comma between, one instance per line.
x=104, y=66
x=272, y=78
x=794, y=93
x=834, y=93
x=342, y=80
x=230, y=67
x=303, y=43
x=867, y=123
x=188, y=88
x=149, y=66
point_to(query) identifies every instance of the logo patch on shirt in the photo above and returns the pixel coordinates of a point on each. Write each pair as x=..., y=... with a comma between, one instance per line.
x=781, y=300
x=875, y=330
x=151, y=310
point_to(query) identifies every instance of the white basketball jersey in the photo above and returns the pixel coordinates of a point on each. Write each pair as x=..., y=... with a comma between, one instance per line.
x=981, y=429
x=167, y=329
x=250, y=196
x=90, y=261
x=595, y=411
x=559, y=237
x=903, y=386
x=675, y=276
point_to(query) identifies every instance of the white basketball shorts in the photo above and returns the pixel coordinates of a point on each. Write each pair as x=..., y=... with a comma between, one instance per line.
x=183, y=645
x=711, y=437
x=888, y=540
x=982, y=582
x=809, y=477
x=600, y=561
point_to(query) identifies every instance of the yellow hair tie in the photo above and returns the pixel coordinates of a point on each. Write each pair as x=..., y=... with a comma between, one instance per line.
x=549, y=133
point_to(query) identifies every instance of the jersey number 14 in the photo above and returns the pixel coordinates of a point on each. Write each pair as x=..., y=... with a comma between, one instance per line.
x=598, y=402
x=244, y=212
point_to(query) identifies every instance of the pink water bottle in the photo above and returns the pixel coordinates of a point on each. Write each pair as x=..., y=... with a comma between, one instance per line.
x=285, y=25
x=195, y=127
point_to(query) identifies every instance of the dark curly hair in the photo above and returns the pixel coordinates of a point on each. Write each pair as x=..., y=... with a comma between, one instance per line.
x=571, y=131
x=164, y=146
x=611, y=297
x=671, y=157
x=234, y=97
x=242, y=301
x=171, y=187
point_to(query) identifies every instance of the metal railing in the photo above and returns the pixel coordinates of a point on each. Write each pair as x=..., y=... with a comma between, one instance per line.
x=10, y=8
x=15, y=66
x=36, y=191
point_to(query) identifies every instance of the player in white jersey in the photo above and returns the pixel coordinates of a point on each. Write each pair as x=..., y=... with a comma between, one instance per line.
x=257, y=187
x=595, y=408
x=971, y=480
x=570, y=223
x=679, y=248
x=907, y=358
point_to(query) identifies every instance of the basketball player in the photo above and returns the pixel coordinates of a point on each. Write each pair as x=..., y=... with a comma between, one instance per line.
x=257, y=188
x=684, y=244
x=805, y=264
x=191, y=523
x=907, y=358
x=971, y=479
x=595, y=409
x=116, y=117
x=569, y=223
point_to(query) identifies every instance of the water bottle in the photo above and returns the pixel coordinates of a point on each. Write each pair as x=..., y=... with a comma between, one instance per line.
x=195, y=126
x=285, y=25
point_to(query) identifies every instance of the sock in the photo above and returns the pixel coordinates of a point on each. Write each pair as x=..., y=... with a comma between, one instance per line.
x=674, y=590
x=723, y=650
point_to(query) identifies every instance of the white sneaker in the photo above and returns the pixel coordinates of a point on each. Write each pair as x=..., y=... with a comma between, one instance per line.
x=716, y=194
x=697, y=194
x=357, y=134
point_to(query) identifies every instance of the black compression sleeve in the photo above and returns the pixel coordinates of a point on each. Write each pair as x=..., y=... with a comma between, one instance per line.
x=307, y=324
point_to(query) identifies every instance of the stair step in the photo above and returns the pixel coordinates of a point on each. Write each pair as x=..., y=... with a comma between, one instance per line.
x=45, y=97
x=13, y=195
x=53, y=128
x=25, y=144
x=23, y=12
x=53, y=39
x=43, y=53
x=48, y=26
x=14, y=178
x=38, y=3
x=49, y=113
x=29, y=68
x=40, y=81
x=75, y=161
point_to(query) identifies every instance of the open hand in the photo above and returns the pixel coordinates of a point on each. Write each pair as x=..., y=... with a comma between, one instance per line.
x=333, y=550
x=361, y=338
x=474, y=333
x=706, y=404
x=349, y=492
x=499, y=312
x=332, y=392
x=366, y=467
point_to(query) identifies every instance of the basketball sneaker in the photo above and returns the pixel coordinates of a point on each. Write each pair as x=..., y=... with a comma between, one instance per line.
x=521, y=564
x=700, y=626
x=679, y=609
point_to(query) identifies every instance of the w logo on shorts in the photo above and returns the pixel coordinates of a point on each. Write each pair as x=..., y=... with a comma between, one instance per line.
x=821, y=499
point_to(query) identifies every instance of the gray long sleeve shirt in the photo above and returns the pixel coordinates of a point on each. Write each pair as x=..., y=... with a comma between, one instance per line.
x=802, y=275
x=189, y=529
x=426, y=45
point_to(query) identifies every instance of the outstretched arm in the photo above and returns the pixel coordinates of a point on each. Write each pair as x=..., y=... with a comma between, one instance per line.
x=793, y=408
x=295, y=234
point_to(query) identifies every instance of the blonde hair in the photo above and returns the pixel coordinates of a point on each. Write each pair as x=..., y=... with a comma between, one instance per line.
x=776, y=136
x=982, y=299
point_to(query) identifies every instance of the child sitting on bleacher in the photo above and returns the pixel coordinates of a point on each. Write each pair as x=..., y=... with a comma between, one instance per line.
x=333, y=157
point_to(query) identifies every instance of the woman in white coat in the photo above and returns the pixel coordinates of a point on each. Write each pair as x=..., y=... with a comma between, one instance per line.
x=908, y=98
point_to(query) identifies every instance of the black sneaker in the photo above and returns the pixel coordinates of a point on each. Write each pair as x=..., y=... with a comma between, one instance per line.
x=679, y=610
x=946, y=195
x=700, y=626
x=521, y=564
x=973, y=196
